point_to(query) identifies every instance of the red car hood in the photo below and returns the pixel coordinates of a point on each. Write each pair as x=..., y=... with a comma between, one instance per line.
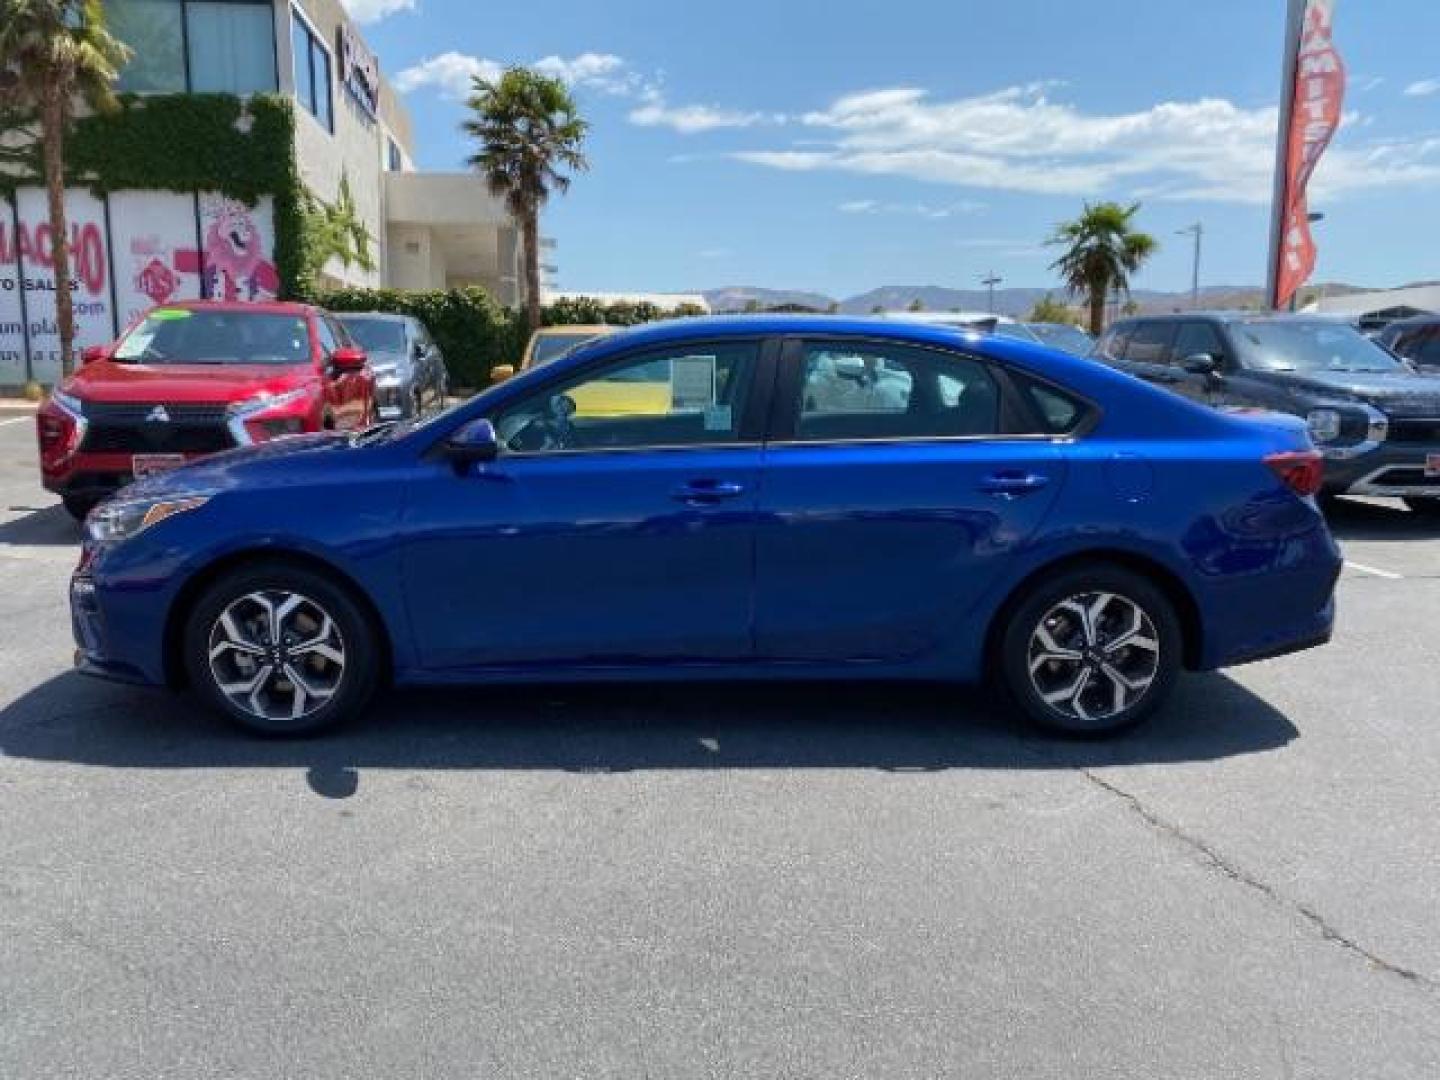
x=185, y=383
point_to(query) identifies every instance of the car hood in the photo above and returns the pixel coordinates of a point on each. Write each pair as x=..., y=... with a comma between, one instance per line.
x=220, y=471
x=107, y=381
x=1401, y=393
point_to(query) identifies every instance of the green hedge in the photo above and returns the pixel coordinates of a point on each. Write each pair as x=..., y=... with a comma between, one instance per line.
x=476, y=333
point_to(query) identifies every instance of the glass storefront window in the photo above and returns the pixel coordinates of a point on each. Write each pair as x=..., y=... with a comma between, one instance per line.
x=153, y=30
x=232, y=47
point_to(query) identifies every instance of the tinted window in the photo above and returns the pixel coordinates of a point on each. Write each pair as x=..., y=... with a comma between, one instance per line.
x=688, y=396
x=893, y=392
x=1059, y=412
x=377, y=335
x=1150, y=343
x=1421, y=346
x=1198, y=337
x=550, y=347
x=1112, y=345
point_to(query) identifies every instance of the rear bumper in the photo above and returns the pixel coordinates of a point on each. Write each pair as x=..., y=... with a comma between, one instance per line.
x=1392, y=469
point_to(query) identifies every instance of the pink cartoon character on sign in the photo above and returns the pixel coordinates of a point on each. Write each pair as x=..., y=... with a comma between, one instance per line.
x=235, y=264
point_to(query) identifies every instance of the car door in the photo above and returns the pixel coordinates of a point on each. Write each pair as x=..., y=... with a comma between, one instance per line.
x=616, y=526
x=897, y=483
x=431, y=368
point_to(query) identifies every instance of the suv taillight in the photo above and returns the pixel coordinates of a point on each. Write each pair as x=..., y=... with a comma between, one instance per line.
x=1302, y=471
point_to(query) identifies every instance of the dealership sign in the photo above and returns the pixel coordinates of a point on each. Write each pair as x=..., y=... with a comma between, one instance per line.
x=1315, y=90
x=359, y=69
x=128, y=252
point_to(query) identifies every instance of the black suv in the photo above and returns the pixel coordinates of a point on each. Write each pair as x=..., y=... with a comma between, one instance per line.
x=1375, y=417
x=1417, y=340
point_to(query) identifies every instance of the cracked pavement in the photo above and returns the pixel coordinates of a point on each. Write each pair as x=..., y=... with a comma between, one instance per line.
x=726, y=881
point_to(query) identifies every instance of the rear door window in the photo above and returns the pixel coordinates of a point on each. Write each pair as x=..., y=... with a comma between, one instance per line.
x=1421, y=346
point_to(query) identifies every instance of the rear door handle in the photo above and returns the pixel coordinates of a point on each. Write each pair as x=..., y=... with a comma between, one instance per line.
x=706, y=492
x=1013, y=483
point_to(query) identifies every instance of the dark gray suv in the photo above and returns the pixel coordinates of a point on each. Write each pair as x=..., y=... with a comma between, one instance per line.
x=410, y=375
x=1375, y=418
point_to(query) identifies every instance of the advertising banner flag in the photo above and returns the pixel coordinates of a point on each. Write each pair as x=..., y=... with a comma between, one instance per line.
x=1315, y=96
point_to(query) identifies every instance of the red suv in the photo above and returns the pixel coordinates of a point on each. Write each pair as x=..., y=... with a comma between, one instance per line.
x=195, y=378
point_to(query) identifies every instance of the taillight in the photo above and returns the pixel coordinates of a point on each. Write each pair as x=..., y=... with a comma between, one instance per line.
x=1302, y=471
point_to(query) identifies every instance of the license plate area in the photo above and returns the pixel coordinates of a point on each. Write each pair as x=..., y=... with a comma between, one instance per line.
x=143, y=465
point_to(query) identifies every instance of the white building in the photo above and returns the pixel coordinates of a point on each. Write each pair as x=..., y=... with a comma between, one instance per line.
x=1376, y=309
x=352, y=150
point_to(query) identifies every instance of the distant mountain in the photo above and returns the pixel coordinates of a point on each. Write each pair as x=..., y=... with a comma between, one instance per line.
x=1015, y=303
x=738, y=297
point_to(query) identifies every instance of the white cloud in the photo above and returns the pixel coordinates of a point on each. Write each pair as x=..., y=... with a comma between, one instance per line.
x=452, y=73
x=692, y=119
x=1017, y=139
x=369, y=11
x=716, y=253
x=925, y=210
x=1423, y=88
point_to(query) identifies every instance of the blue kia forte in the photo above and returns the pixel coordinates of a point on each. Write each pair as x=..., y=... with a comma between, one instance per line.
x=815, y=498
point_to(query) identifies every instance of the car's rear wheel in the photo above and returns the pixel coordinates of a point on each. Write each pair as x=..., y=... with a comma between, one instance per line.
x=1090, y=650
x=281, y=650
x=1428, y=508
x=78, y=506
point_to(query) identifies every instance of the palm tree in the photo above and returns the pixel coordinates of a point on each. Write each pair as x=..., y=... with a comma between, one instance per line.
x=529, y=130
x=51, y=53
x=1102, y=251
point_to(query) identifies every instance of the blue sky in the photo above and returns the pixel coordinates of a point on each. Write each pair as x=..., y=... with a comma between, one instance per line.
x=840, y=146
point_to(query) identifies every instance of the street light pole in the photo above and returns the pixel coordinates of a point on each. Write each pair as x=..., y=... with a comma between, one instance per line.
x=1197, y=230
x=990, y=282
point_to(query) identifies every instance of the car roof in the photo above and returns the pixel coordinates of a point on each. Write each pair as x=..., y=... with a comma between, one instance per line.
x=271, y=307
x=372, y=316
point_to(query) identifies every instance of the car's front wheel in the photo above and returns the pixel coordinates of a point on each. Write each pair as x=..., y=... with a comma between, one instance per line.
x=1428, y=508
x=281, y=649
x=1091, y=650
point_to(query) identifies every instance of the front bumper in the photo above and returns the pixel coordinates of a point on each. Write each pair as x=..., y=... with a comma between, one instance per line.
x=1391, y=469
x=100, y=646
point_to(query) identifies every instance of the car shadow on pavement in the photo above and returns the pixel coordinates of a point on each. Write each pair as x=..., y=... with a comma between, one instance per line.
x=47, y=527
x=604, y=729
x=1378, y=520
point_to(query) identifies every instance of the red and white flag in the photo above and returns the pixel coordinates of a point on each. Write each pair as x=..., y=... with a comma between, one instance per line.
x=1317, y=97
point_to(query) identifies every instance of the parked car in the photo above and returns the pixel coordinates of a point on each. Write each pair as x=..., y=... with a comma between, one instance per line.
x=410, y=374
x=1063, y=336
x=1072, y=533
x=194, y=378
x=1416, y=340
x=549, y=343
x=1376, y=420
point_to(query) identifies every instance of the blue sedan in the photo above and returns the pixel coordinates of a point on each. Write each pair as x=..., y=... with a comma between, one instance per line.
x=790, y=498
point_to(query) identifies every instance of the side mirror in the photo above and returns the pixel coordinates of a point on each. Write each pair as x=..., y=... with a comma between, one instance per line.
x=473, y=443
x=93, y=354
x=347, y=358
x=500, y=372
x=1201, y=364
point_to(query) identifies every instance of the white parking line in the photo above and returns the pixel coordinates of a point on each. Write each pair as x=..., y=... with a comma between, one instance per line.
x=15, y=420
x=1386, y=574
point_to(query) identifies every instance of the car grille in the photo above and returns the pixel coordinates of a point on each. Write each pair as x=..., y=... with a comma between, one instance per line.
x=1426, y=430
x=130, y=429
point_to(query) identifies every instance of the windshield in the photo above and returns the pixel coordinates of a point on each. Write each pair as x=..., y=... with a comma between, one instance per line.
x=186, y=336
x=550, y=347
x=1274, y=345
x=1069, y=338
x=377, y=335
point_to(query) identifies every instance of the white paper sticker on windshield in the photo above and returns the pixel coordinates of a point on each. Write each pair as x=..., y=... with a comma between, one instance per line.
x=692, y=383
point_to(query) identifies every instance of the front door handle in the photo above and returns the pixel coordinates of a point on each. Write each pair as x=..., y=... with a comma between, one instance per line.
x=707, y=492
x=1013, y=483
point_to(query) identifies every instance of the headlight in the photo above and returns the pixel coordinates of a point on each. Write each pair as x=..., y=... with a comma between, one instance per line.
x=1324, y=424
x=266, y=401
x=113, y=522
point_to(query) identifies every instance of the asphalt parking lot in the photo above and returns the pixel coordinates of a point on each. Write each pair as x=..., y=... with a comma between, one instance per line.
x=737, y=881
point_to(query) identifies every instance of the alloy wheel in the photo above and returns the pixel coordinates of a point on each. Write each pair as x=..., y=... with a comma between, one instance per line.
x=1093, y=656
x=276, y=654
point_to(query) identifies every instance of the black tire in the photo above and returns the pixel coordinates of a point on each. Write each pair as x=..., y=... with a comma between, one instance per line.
x=1091, y=712
x=1426, y=508
x=347, y=693
x=77, y=506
